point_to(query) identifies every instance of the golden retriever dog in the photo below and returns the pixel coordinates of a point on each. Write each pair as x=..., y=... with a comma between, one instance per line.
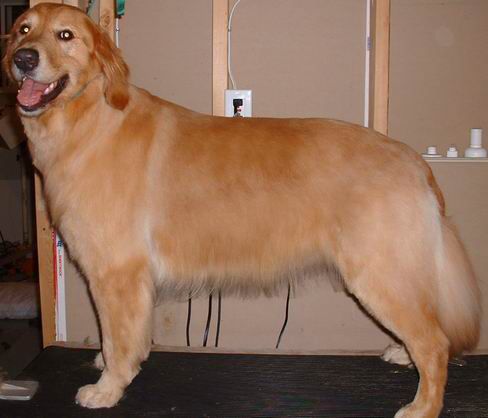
x=150, y=196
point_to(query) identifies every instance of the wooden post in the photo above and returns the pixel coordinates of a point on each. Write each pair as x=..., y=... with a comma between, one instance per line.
x=219, y=55
x=381, y=63
x=45, y=257
x=75, y=3
x=107, y=17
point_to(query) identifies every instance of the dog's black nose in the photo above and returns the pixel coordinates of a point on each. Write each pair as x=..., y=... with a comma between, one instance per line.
x=26, y=59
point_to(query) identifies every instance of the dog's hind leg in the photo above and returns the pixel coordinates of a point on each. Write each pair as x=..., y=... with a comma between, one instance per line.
x=124, y=300
x=408, y=314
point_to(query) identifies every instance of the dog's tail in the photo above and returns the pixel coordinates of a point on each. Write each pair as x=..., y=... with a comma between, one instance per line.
x=459, y=300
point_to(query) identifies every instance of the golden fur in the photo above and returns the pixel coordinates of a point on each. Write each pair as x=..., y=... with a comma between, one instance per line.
x=149, y=195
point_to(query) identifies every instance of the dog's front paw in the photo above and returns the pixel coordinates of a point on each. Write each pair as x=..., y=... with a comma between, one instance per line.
x=403, y=413
x=412, y=411
x=98, y=396
x=397, y=354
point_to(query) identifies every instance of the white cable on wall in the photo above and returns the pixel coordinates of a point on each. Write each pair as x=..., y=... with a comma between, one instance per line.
x=367, y=57
x=229, y=37
x=117, y=32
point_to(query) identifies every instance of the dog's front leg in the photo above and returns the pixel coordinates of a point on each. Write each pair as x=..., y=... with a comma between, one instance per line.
x=124, y=301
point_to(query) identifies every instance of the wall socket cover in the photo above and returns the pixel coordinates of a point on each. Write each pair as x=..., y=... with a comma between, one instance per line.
x=245, y=96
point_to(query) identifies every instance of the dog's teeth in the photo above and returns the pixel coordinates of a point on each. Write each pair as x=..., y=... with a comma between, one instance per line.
x=49, y=88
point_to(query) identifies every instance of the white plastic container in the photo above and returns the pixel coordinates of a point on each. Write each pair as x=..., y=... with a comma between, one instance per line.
x=452, y=152
x=431, y=152
x=476, y=149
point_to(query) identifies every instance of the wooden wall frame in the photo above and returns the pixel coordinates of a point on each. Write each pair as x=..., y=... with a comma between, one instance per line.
x=107, y=17
x=220, y=13
x=45, y=257
x=381, y=37
x=381, y=64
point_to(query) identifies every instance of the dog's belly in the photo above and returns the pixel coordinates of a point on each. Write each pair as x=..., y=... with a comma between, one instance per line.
x=247, y=236
x=248, y=246
x=245, y=265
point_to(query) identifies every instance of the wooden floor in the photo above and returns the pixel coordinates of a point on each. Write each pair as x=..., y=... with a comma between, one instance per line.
x=235, y=385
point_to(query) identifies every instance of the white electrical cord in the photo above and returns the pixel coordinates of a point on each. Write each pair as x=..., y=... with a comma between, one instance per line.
x=367, y=59
x=117, y=32
x=229, y=36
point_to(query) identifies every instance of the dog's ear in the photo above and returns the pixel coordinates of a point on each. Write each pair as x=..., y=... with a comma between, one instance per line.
x=114, y=68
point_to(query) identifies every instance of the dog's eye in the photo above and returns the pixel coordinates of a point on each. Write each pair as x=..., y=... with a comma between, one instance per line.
x=66, y=35
x=24, y=29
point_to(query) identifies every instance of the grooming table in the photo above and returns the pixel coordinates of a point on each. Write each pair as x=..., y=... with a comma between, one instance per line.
x=182, y=384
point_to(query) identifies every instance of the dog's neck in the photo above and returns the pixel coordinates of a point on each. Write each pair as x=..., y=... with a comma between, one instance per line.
x=80, y=92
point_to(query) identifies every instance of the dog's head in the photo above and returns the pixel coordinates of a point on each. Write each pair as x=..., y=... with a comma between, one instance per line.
x=54, y=52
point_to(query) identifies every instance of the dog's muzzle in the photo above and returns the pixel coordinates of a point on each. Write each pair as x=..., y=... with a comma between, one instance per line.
x=34, y=94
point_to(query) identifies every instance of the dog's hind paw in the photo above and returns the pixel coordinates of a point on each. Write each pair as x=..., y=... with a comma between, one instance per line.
x=99, y=362
x=397, y=354
x=98, y=396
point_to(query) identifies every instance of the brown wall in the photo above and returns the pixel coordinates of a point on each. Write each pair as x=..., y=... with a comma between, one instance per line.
x=168, y=45
x=10, y=185
x=10, y=195
x=300, y=58
x=439, y=77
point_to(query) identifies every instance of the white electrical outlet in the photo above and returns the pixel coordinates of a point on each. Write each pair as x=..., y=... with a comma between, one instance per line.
x=238, y=103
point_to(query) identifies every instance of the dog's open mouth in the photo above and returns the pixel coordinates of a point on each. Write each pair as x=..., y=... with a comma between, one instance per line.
x=33, y=95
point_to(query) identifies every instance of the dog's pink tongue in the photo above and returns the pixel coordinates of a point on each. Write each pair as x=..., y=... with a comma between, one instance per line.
x=30, y=93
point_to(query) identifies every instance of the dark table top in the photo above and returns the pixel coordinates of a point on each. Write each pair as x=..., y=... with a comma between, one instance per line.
x=243, y=385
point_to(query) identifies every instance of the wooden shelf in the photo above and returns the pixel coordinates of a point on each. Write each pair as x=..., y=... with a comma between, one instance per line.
x=455, y=160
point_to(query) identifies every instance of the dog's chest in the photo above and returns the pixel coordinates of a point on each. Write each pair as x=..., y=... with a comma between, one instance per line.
x=93, y=208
